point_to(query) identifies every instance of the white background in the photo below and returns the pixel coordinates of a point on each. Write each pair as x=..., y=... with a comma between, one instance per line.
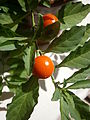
x=46, y=109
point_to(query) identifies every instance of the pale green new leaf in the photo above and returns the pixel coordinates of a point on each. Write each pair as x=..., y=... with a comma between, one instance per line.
x=29, y=58
x=72, y=13
x=68, y=41
x=24, y=102
x=80, y=58
x=80, y=84
x=82, y=74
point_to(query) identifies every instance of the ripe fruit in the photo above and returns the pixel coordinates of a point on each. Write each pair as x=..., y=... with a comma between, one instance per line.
x=49, y=19
x=43, y=67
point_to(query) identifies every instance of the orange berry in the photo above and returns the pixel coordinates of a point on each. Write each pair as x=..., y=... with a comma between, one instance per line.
x=49, y=19
x=43, y=67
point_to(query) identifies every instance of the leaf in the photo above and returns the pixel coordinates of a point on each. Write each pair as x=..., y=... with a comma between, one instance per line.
x=80, y=84
x=69, y=12
x=7, y=46
x=5, y=39
x=5, y=9
x=16, y=80
x=82, y=107
x=32, y=4
x=80, y=58
x=57, y=94
x=79, y=75
x=29, y=58
x=40, y=27
x=67, y=41
x=86, y=35
x=16, y=67
x=67, y=108
x=5, y=19
x=24, y=102
x=50, y=32
x=6, y=32
x=46, y=3
x=22, y=3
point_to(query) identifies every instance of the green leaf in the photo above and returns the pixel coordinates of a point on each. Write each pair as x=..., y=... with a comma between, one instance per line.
x=29, y=58
x=5, y=9
x=79, y=75
x=82, y=107
x=16, y=80
x=50, y=32
x=32, y=4
x=22, y=3
x=69, y=12
x=68, y=41
x=6, y=32
x=67, y=108
x=16, y=67
x=5, y=19
x=80, y=84
x=86, y=35
x=80, y=58
x=57, y=94
x=46, y=3
x=40, y=27
x=5, y=39
x=7, y=46
x=24, y=102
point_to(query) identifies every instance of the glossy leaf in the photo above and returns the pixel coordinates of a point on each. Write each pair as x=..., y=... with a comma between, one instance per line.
x=24, y=102
x=80, y=84
x=79, y=75
x=80, y=58
x=68, y=41
x=68, y=14
x=29, y=58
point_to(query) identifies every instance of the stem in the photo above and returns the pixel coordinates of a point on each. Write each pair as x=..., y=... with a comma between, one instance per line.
x=52, y=77
x=33, y=20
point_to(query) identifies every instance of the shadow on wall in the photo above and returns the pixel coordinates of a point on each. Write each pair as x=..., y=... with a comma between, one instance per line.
x=5, y=96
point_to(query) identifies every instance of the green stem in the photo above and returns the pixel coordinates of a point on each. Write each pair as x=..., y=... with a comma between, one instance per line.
x=53, y=80
x=33, y=20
